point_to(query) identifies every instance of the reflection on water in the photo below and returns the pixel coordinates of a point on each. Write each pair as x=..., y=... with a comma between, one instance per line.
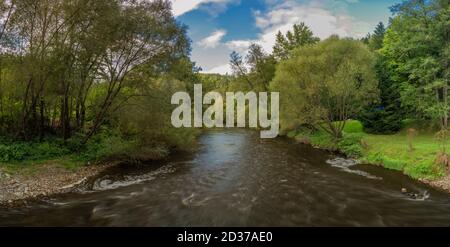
x=238, y=179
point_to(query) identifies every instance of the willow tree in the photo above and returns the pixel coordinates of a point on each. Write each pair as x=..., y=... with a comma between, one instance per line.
x=143, y=32
x=326, y=84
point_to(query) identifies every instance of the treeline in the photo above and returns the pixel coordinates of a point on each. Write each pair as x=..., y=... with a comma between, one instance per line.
x=395, y=73
x=71, y=68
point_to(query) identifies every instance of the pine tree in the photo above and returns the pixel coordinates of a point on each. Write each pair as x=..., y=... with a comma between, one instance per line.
x=301, y=35
x=376, y=40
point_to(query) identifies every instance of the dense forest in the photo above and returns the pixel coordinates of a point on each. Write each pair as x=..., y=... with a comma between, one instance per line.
x=90, y=77
x=94, y=79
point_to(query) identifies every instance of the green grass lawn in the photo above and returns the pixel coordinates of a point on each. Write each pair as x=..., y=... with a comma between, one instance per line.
x=389, y=151
x=392, y=152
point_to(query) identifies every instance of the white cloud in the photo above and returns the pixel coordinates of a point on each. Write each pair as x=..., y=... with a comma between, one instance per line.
x=181, y=7
x=283, y=14
x=213, y=40
x=239, y=45
x=221, y=69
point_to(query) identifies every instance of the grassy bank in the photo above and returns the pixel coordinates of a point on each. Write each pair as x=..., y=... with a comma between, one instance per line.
x=389, y=151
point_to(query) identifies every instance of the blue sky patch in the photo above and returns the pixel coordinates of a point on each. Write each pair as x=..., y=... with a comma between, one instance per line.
x=218, y=27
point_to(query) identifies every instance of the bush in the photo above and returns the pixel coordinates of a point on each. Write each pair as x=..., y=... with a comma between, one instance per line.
x=20, y=151
x=350, y=144
x=107, y=143
x=353, y=126
x=12, y=152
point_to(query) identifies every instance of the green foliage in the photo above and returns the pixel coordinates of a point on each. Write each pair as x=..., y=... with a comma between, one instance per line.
x=215, y=82
x=384, y=116
x=11, y=151
x=350, y=145
x=316, y=138
x=376, y=39
x=300, y=36
x=325, y=84
x=380, y=121
x=151, y=125
x=292, y=134
x=255, y=72
x=106, y=144
x=72, y=77
x=392, y=151
x=94, y=83
x=353, y=126
x=386, y=162
x=416, y=49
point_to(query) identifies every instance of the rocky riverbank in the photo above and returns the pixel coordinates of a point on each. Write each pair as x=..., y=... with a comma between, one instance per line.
x=50, y=179
x=442, y=184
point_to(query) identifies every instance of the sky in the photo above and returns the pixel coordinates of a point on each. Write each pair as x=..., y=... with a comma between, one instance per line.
x=219, y=27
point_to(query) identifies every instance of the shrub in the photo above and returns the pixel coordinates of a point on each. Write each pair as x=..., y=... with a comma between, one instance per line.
x=107, y=143
x=20, y=151
x=353, y=126
x=350, y=144
x=12, y=152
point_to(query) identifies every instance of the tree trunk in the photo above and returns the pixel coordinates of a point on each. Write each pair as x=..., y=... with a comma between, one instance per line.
x=42, y=118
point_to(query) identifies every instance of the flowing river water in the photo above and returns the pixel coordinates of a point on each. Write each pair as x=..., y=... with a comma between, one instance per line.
x=238, y=179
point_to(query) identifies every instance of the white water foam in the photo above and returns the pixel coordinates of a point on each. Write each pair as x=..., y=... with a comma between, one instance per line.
x=346, y=164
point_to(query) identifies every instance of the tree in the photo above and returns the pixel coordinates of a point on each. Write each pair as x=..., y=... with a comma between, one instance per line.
x=376, y=39
x=325, y=84
x=300, y=36
x=68, y=61
x=262, y=67
x=384, y=116
x=257, y=69
x=144, y=32
x=417, y=50
x=7, y=11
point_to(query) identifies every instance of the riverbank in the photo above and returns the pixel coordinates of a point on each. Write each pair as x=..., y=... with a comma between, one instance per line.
x=37, y=169
x=47, y=179
x=442, y=184
x=21, y=182
x=388, y=151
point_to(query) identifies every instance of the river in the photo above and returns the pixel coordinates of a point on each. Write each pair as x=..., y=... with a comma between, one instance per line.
x=237, y=179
